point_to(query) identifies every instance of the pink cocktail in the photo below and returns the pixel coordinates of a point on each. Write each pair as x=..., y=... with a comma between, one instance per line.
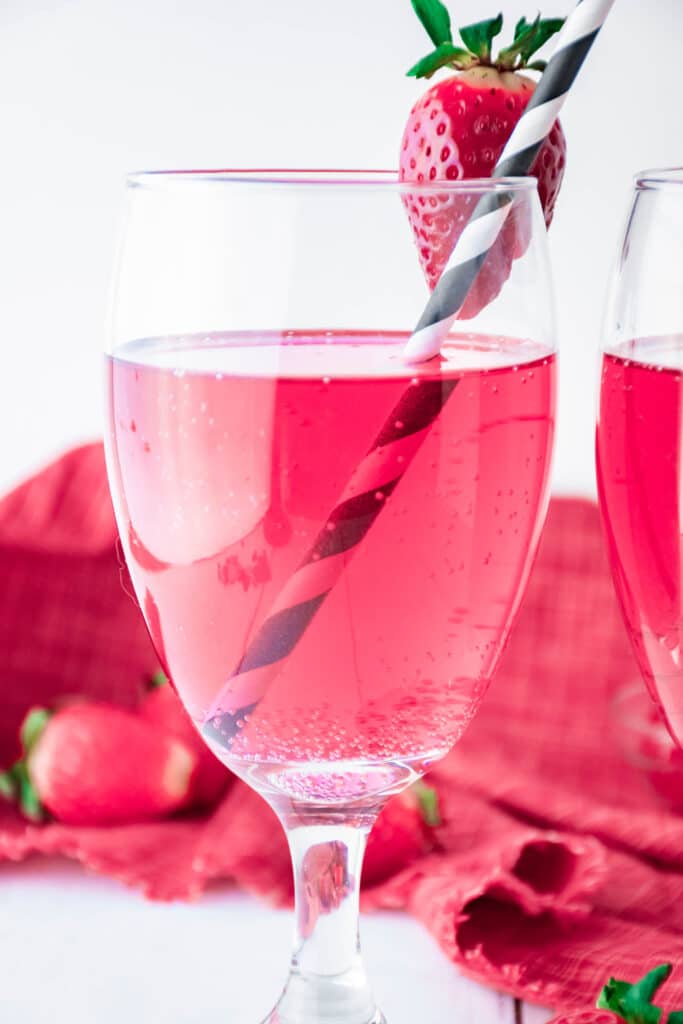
x=640, y=436
x=228, y=454
x=328, y=542
x=640, y=465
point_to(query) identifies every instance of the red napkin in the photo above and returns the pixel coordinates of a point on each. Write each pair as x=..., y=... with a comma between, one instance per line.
x=556, y=864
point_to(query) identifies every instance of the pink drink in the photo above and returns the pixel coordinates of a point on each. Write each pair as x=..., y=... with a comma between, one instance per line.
x=227, y=454
x=639, y=452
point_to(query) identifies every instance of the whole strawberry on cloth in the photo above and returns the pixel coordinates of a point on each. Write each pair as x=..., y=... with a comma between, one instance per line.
x=96, y=764
x=458, y=129
x=404, y=832
x=162, y=708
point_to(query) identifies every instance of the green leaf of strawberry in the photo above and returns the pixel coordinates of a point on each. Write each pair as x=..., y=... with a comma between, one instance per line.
x=27, y=797
x=32, y=727
x=436, y=20
x=646, y=989
x=545, y=30
x=633, y=1003
x=158, y=680
x=626, y=1003
x=529, y=38
x=478, y=38
x=428, y=802
x=445, y=55
x=8, y=786
x=508, y=57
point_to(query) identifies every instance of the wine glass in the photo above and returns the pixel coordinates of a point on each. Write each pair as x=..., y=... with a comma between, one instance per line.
x=640, y=438
x=328, y=544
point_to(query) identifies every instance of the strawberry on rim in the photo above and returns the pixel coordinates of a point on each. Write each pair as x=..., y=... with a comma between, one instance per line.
x=457, y=130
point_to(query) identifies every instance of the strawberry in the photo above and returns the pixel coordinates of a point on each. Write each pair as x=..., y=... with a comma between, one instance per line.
x=588, y=1016
x=401, y=834
x=620, y=1002
x=458, y=129
x=162, y=707
x=96, y=764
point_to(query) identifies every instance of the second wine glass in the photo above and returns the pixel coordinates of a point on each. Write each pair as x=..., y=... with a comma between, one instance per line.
x=640, y=435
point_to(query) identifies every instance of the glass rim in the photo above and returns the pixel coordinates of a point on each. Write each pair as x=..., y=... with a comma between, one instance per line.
x=333, y=178
x=658, y=178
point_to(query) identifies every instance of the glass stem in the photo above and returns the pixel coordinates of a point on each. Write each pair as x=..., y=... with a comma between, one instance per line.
x=327, y=982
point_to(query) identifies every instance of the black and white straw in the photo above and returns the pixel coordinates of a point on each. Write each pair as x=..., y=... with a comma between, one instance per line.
x=481, y=231
x=413, y=416
x=362, y=501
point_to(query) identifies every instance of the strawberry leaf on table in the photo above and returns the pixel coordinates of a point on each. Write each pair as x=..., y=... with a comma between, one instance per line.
x=478, y=38
x=435, y=19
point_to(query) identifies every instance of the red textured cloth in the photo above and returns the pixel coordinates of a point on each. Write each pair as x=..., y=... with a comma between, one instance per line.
x=556, y=864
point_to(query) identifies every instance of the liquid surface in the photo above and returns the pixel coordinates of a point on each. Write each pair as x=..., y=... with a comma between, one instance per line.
x=227, y=454
x=639, y=452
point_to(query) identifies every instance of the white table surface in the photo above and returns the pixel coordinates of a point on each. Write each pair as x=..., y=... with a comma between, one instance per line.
x=82, y=949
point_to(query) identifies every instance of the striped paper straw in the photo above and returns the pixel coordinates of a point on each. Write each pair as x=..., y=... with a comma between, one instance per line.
x=363, y=499
x=481, y=231
x=413, y=416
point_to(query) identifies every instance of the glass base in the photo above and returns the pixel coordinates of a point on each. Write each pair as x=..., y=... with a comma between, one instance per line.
x=276, y=1018
x=332, y=999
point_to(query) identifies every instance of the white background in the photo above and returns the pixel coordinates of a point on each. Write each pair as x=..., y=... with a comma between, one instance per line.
x=90, y=89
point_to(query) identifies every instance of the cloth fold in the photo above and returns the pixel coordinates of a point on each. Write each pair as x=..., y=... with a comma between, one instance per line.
x=555, y=863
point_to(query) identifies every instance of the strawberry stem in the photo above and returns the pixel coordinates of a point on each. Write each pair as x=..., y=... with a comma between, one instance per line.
x=478, y=38
x=428, y=802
